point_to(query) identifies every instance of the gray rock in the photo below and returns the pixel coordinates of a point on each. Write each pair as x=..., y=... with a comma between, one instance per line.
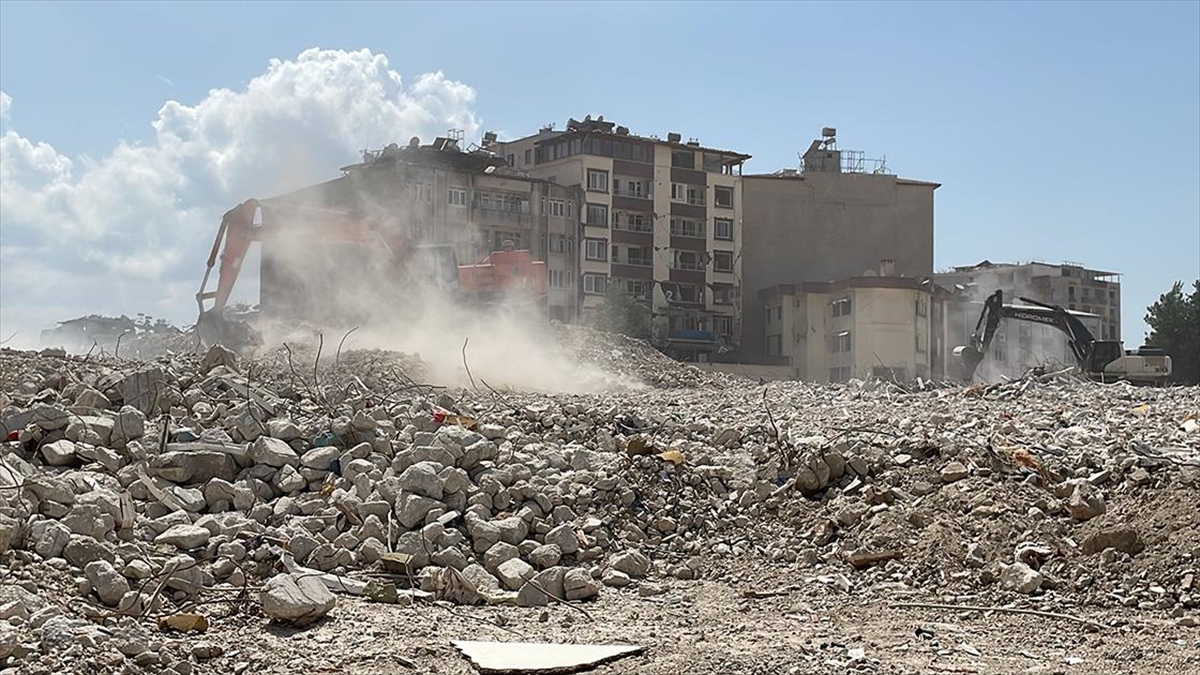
x=513, y=573
x=10, y=530
x=89, y=520
x=632, y=563
x=563, y=536
x=320, y=458
x=90, y=429
x=1021, y=578
x=197, y=466
x=545, y=556
x=953, y=471
x=422, y=479
x=579, y=585
x=90, y=398
x=59, y=453
x=513, y=530
x=289, y=480
x=50, y=537
x=297, y=601
x=184, y=536
x=129, y=425
x=616, y=579
x=1085, y=502
x=1122, y=537
x=273, y=452
x=109, y=585
x=532, y=594
x=450, y=557
x=82, y=549
x=411, y=509
x=499, y=553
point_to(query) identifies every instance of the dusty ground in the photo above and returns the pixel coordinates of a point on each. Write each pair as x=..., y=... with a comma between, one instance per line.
x=709, y=627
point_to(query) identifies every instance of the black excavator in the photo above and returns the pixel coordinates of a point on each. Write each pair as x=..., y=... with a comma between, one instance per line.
x=1102, y=360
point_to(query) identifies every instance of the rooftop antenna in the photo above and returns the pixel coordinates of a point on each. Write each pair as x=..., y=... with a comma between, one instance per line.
x=456, y=134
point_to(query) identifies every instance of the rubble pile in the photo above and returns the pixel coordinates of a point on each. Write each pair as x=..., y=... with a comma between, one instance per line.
x=139, y=500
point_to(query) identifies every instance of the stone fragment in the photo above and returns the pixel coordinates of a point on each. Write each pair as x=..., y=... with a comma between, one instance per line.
x=59, y=453
x=273, y=452
x=545, y=556
x=616, y=579
x=50, y=537
x=422, y=479
x=563, y=536
x=633, y=563
x=1086, y=502
x=579, y=585
x=953, y=472
x=513, y=573
x=1021, y=578
x=297, y=601
x=184, y=536
x=499, y=553
x=534, y=595
x=1122, y=537
x=320, y=458
x=108, y=584
x=198, y=466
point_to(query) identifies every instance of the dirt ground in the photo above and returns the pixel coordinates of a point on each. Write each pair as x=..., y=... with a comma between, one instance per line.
x=708, y=626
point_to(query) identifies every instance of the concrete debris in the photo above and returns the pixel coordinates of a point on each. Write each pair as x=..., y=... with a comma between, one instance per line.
x=130, y=492
x=539, y=657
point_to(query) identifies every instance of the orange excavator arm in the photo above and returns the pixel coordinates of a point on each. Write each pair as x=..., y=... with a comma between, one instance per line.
x=237, y=232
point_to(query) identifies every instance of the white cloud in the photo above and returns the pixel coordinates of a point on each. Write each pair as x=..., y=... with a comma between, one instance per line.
x=139, y=221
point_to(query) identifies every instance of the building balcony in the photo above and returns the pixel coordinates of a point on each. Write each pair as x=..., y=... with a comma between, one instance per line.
x=633, y=261
x=686, y=265
x=633, y=194
x=692, y=232
x=634, y=227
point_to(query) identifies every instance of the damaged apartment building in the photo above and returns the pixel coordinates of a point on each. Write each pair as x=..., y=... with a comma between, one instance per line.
x=439, y=193
x=661, y=219
x=1092, y=296
x=838, y=261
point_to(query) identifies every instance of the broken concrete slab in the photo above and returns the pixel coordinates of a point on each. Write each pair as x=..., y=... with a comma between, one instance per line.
x=539, y=657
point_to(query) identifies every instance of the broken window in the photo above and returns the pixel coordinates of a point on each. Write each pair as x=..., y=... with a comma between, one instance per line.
x=683, y=159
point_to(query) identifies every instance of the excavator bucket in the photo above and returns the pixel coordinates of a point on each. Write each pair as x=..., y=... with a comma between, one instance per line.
x=968, y=359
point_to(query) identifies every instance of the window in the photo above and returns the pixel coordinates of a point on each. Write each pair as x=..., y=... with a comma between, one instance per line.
x=725, y=295
x=678, y=192
x=695, y=195
x=558, y=279
x=425, y=192
x=687, y=260
x=920, y=342
x=457, y=197
x=841, y=307
x=503, y=238
x=779, y=313
x=634, y=222
x=512, y=160
x=723, y=229
x=639, y=189
x=638, y=289
x=597, y=180
x=558, y=208
x=529, y=156
x=723, y=261
x=594, y=284
x=1112, y=296
x=1000, y=337
x=560, y=243
x=841, y=374
x=683, y=293
x=596, y=249
x=597, y=214
x=1071, y=292
x=687, y=228
x=683, y=159
x=840, y=342
x=1024, y=330
x=723, y=325
x=999, y=353
x=922, y=306
x=723, y=196
x=773, y=345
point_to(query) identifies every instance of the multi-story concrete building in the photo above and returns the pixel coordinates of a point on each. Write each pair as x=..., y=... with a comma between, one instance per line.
x=835, y=218
x=1093, y=296
x=437, y=194
x=869, y=326
x=660, y=218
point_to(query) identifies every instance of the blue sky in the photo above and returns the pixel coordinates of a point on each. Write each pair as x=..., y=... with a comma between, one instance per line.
x=1059, y=131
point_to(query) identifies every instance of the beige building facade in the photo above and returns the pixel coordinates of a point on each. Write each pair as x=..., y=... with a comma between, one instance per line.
x=835, y=218
x=858, y=327
x=660, y=219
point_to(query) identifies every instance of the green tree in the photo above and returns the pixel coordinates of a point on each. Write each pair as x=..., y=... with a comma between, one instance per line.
x=1174, y=322
x=621, y=313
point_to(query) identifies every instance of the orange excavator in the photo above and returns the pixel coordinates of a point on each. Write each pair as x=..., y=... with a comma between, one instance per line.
x=334, y=267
